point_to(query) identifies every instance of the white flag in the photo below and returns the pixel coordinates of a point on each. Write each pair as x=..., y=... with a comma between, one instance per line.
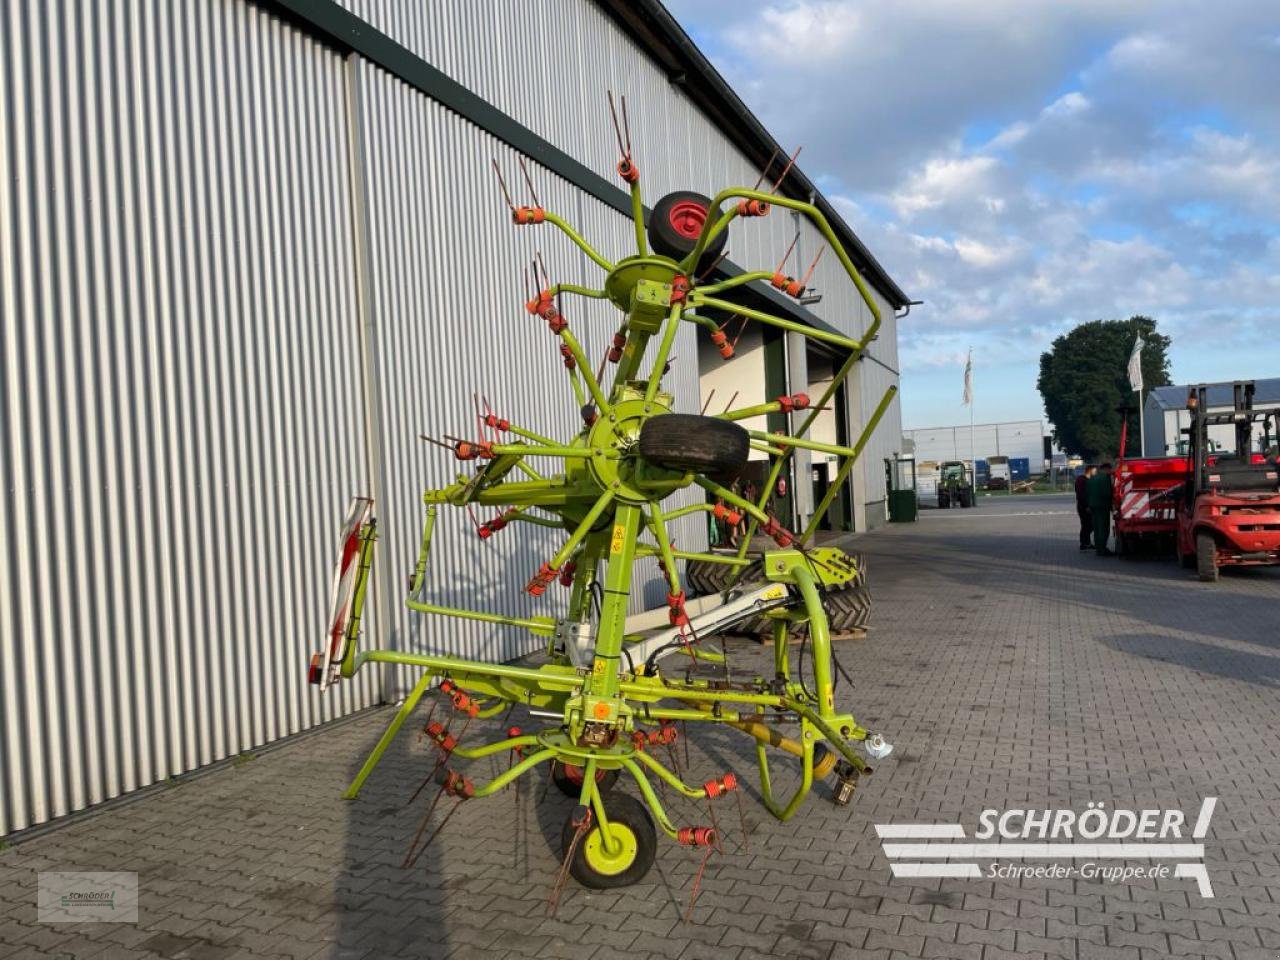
x=968, y=380
x=1135, y=366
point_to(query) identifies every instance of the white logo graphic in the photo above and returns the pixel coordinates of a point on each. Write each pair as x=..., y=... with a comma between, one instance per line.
x=1087, y=840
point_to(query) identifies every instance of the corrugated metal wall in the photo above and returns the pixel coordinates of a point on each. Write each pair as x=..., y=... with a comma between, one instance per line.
x=675, y=147
x=873, y=375
x=186, y=407
x=447, y=297
x=182, y=417
x=550, y=65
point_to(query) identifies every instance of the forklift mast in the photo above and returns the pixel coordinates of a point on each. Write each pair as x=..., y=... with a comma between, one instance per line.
x=1242, y=418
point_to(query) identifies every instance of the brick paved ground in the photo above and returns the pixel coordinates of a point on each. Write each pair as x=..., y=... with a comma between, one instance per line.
x=1009, y=669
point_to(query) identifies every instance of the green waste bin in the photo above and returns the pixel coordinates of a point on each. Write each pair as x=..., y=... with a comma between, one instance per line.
x=902, y=506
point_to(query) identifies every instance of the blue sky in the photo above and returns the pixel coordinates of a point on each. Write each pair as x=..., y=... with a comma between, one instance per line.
x=1024, y=167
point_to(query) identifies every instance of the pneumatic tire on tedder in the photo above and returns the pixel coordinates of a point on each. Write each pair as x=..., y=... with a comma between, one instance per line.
x=688, y=442
x=635, y=843
x=675, y=224
x=568, y=779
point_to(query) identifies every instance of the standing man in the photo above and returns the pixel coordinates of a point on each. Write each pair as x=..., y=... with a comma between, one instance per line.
x=1082, y=507
x=1098, y=494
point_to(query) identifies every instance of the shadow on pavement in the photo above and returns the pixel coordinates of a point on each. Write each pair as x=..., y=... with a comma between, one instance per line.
x=1209, y=658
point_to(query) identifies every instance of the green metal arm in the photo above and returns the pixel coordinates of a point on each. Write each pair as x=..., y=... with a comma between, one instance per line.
x=659, y=529
x=584, y=368
x=579, y=291
x=728, y=495
x=580, y=243
x=519, y=450
x=756, y=410
x=698, y=299
x=782, y=440
x=810, y=211
x=580, y=532
x=738, y=281
x=710, y=230
x=664, y=349
x=845, y=467
x=637, y=216
x=705, y=322
x=542, y=626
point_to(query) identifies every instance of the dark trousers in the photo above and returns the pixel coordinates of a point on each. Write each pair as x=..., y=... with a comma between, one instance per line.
x=1101, y=528
x=1086, y=525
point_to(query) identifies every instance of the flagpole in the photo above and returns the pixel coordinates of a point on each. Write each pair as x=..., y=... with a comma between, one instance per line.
x=973, y=463
x=1136, y=384
x=1142, y=427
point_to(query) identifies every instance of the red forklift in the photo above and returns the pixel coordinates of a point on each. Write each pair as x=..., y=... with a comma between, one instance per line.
x=1229, y=514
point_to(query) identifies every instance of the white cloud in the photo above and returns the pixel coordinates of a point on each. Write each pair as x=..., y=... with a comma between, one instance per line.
x=802, y=31
x=1025, y=167
x=986, y=255
x=943, y=180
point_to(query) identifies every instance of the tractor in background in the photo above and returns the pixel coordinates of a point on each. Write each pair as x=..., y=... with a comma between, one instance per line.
x=955, y=485
x=1230, y=510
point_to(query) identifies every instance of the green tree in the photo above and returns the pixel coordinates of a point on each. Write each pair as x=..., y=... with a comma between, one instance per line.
x=1084, y=379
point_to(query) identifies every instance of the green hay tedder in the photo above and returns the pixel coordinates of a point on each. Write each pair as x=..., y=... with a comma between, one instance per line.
x=614, y=687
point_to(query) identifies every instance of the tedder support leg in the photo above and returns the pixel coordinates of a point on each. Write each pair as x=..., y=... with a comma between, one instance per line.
x=820, y=637
x=410, y=703
x=603, y=681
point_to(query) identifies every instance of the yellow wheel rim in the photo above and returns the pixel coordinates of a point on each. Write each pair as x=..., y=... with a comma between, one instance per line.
x=611, y=862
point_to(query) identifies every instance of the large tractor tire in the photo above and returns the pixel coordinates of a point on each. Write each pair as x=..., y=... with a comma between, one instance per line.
x=705, y=577
x=848, y=608
x=691, y=443
x=1207, y=557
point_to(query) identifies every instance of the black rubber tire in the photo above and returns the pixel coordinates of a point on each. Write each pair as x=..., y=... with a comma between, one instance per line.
x=1188, y=561
x=847, y=609
x=943, y=503
x=691, y=443
x=566, y=784
x=1207, y=557
x=699, y=578
x=619, y=808
x=667, y=238
x=705, y=577
x=1123, y=548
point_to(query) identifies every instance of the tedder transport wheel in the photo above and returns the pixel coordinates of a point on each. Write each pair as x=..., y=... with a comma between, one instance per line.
x=568, y=779
x=675, y=224
x=635, y=841
x=688, y=442
x=1206, y=557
